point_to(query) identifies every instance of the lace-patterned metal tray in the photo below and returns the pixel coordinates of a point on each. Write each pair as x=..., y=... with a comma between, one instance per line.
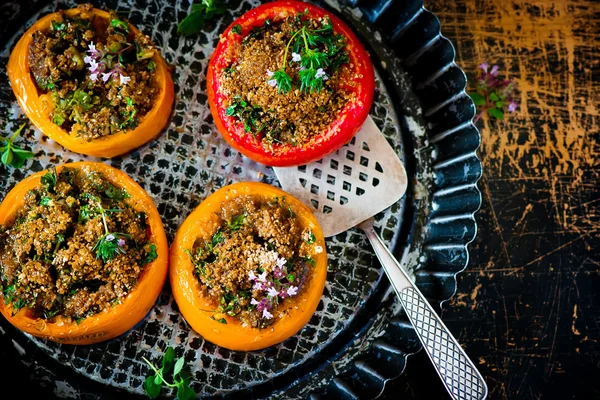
x=422, y=109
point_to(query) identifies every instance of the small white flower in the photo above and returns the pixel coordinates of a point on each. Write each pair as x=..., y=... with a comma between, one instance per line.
x=251, y=276
x=88, y=60
x=270, y=73
x=321, y=74
x=292, y=291
x=110, y=237
x=106, y=77
x=123, y=79
x=272, y=82
x=318, y=249
x=296, y=57
x=258, y=286
x=94, y=76
x=263, y=277
x=267, y=314
x=281, y=262
x=272, y=292
x=254, y=302
x=92, y=46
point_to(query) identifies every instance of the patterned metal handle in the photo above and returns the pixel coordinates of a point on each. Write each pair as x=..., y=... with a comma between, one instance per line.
x=461, y=378
x=459, y=375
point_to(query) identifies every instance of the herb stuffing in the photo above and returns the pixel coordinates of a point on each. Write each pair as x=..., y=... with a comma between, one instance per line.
x=286, y=84
x=75, y=248
x=258, y=256
x=98, y=73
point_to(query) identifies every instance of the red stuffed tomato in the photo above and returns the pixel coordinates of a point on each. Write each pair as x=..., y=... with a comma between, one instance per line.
x=289, y=83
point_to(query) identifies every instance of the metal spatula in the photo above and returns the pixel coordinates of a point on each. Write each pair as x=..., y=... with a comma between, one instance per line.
x=346, y=189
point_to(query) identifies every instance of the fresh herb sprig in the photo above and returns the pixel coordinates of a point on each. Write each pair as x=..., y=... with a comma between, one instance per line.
x=314, y=50
x=111, y=243
x=200, y=13
x=246, y=113
x=493, y=95
x=181, y=380
x=11, y=154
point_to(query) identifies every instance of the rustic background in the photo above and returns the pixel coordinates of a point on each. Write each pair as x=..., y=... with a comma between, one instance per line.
x=528, y=306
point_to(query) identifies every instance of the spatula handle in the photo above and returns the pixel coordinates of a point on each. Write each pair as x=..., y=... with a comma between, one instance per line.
x=458, y=373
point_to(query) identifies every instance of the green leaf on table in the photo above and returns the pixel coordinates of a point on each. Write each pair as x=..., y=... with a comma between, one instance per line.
x=200, y=13
x=496, y=113
x=11, y=154
x=168, y=359
x=478, y=99
x=185, y=392
x=151, y=387
x=178, y=366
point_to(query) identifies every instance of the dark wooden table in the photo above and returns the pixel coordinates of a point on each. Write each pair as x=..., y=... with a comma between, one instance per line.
x=527, y=308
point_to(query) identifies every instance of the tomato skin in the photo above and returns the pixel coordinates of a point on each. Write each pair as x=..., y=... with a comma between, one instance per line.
x=338, y=133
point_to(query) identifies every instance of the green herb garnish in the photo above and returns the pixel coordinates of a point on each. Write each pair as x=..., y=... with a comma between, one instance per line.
x=49, y=180
x=199, y=15
x=236, y=223
x=311, y=238
x=150, y=254
x=181, y=380
x=246, y=113
x=315, y=50
x=11, y=154
x=237, y=29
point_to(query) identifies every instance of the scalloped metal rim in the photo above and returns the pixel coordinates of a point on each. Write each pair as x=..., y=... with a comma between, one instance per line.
x=452, y=189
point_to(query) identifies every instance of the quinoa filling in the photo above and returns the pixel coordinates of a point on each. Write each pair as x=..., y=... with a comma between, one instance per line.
x=284, y=84
x=75, y=248
x=258, y=257
x=98, y=74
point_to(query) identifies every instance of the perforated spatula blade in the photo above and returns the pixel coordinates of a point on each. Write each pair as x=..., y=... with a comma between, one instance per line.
x=346, y=189
x=356, y=182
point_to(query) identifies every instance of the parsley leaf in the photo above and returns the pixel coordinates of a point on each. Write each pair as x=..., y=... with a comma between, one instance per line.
x=200, y=13
x=11, y=154
x=181, y=379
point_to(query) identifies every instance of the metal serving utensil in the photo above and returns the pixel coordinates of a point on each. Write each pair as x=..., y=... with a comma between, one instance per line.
x=346, y=189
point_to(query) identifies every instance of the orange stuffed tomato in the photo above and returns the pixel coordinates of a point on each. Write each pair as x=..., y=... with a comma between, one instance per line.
x=289, y=83
x=91, y=81
x=83, y=254
x=248, y=266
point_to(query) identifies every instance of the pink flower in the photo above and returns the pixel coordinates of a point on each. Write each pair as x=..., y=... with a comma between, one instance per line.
x=484, y=66
x=251, y=276
x=267, y=314
x=512, y=106
x=258, y=286
x=269, y=73
x=254, y=302
x=121, y=242
x=494, y=70
x=278, y=273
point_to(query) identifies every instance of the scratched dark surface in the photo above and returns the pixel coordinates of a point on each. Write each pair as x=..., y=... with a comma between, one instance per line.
x=527, y=308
